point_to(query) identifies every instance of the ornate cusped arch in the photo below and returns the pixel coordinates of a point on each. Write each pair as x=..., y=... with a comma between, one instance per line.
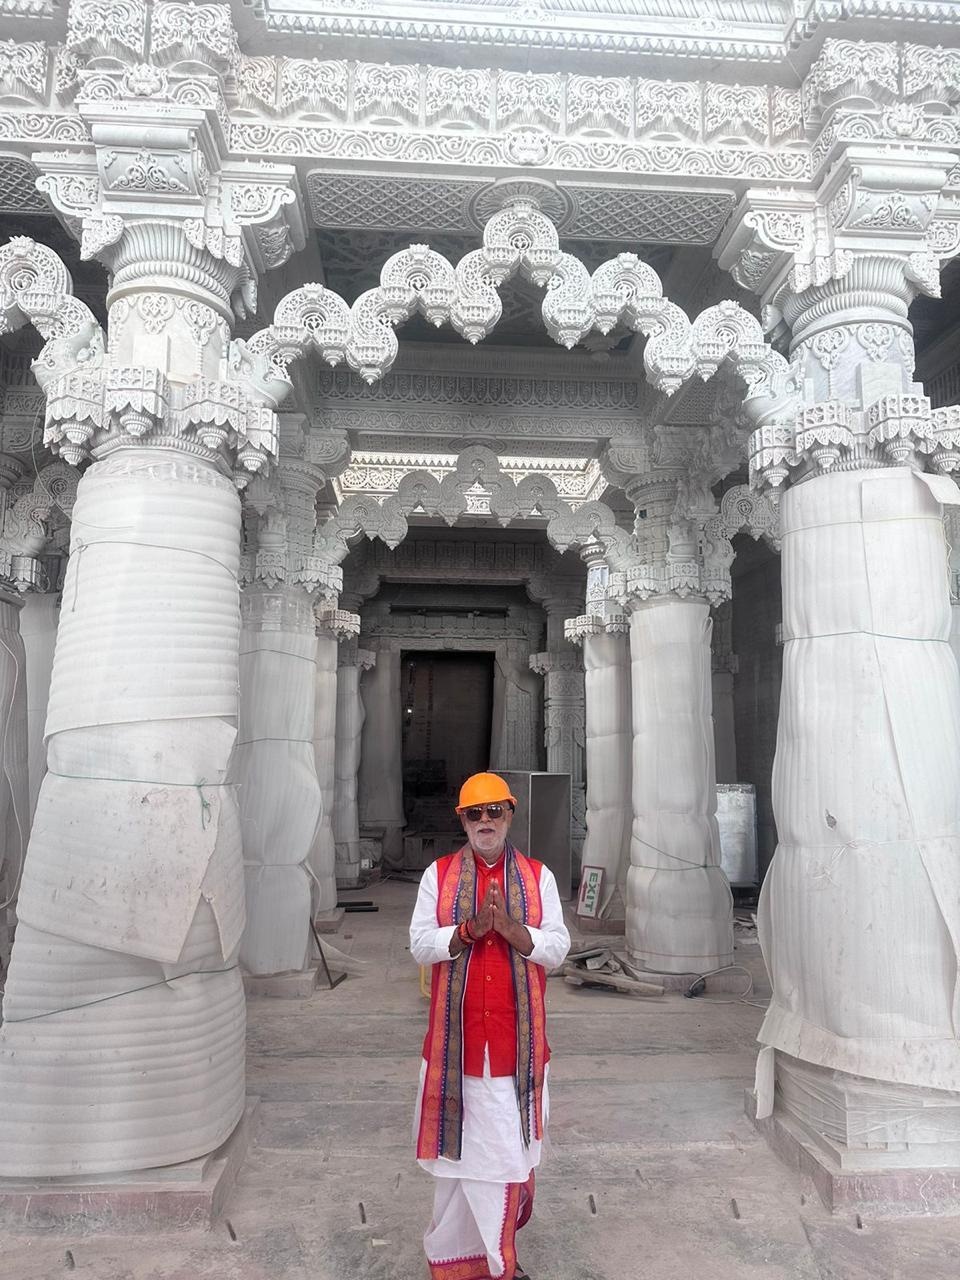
x=36, y=289
x=521, y=239
x=533, y=498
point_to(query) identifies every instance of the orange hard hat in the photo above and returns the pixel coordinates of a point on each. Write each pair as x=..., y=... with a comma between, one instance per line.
x=484, y=788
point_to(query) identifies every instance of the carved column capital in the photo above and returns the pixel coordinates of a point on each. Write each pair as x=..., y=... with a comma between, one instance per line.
x=871, y=193
x=336, y=624
x=552, y=662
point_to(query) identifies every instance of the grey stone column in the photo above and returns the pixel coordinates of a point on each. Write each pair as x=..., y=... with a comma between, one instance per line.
x=352, y=661
x=333, y=627
x=381, y=769
x=564, y=715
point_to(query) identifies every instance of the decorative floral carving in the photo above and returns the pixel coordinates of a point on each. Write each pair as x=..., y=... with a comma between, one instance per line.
x=23, y=71
x=111, y=28
x=319, y=88
x=193, y=33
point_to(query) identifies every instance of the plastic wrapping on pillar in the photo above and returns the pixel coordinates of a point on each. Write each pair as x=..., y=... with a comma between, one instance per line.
x=274, y=767
x=860, y=910
x=381, y=773
x=122, y=1040
x=606, y=661
x=350, y=716
x=679, y=906
x=322, y=851
x=38, y=627
x=14, y=804
x=952, y=529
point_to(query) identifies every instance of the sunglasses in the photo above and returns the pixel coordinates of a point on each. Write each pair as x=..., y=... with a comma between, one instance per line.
x=476, y=812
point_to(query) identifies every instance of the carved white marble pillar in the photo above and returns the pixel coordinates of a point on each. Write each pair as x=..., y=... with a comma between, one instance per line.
x=333, y=626
x=123, y=1033
x=380, y=781
x=352, y=660
x=564, y=717
x=724, y=667
x=679, y=916
x=860, y=910
x=516, y=711
x=609, y=741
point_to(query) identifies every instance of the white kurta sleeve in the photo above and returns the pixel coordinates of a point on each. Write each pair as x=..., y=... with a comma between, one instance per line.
x=429, y=943
x=551, y=941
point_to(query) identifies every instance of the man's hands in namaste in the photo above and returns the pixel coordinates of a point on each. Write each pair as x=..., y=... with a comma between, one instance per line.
x=482, y=922
x=493, y=914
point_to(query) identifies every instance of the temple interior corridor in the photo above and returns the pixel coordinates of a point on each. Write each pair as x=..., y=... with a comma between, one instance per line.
x=654, y=1172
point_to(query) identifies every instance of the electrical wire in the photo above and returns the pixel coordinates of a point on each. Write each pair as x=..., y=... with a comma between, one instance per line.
x=727, y=968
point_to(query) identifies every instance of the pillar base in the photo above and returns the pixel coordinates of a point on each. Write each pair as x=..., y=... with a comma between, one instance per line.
x=329, y=921
x=733, y=982
x=879, y=1192
x=175, y=1197
x=294, y=985
x=612, y=928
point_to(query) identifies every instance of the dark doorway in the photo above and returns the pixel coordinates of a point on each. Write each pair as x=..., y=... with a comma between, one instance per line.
x=447, y=707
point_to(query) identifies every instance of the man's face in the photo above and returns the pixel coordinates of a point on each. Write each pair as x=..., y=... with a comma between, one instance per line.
x=486, y=831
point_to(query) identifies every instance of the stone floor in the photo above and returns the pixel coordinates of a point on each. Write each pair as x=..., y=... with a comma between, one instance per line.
x=655, y=1174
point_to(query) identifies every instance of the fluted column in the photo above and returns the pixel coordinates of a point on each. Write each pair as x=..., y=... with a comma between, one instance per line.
x=603, y=633
x=352, y=660
x=380, y=779
x=333, y=626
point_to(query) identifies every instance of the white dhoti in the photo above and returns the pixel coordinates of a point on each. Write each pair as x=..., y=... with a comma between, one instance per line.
x=482, y=1199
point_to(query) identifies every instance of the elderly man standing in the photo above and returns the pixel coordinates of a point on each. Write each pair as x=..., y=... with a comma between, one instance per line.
x=489, y=921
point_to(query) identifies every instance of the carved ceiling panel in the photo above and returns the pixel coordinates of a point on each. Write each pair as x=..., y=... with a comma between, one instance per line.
x=428, y=203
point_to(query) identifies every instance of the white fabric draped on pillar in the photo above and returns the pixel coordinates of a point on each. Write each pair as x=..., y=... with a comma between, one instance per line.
x=14, y=791
x=38, y=627
x=864, y=888
x=123, y=1029
x=679, y=906
x=274, y=768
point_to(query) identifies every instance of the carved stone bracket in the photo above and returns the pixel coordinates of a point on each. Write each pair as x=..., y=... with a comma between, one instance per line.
x=338, y=624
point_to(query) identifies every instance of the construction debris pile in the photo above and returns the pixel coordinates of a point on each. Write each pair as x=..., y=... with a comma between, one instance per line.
x=601, y=967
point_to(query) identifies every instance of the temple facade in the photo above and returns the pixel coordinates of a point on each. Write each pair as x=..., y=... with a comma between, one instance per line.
x=392, y=391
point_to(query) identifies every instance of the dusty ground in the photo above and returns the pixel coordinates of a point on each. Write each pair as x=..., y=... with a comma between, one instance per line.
x=655, y=1174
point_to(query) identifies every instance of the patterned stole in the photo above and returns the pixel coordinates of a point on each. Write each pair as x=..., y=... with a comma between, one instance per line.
x=441, y=1113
